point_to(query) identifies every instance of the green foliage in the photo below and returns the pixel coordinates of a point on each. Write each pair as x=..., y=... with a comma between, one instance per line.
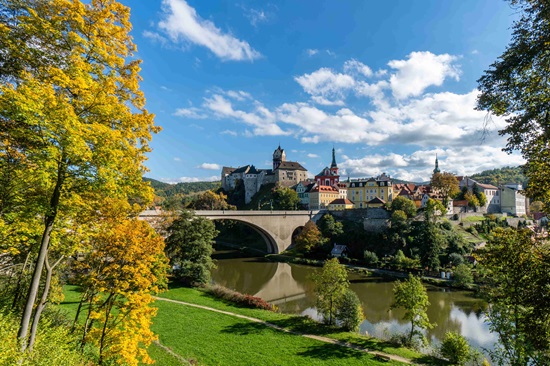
x=370, y=258
x=500, y=176
x=517, y=271
x=54, y=345
x=284, y=198
x=189, y=248
x=455, y=259
x=329, y=227
x=331, y=283
x=462, y=275
x=455, y=348
x=411, y=295
x=350, y=312
x=405, y=205
x=515, y=87
x=210, y=200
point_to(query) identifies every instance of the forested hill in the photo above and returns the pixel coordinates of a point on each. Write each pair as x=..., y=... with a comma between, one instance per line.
x=501, y=176
x=168, y=190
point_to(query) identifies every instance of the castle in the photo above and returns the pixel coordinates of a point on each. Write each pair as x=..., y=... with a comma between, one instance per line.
x=286, y=173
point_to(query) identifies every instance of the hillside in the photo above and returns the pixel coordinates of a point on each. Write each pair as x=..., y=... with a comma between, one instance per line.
x=502, y=176
x=167, y=190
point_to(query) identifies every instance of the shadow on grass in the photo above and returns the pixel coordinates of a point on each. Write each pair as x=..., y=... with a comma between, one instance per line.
x=327, y=351
x=245, y=328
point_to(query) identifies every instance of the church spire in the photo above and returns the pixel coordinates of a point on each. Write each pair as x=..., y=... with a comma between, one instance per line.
x=333, y=165
x=436, y=170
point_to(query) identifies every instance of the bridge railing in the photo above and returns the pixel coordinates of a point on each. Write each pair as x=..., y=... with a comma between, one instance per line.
x=254, y=213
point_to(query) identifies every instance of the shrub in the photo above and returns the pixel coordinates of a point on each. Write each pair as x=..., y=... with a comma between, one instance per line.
x=455, y=348
x=446, y=225
x=350, y=312
x=455, y=259
x=239, y=299
x=462, y=276
x=370, y=257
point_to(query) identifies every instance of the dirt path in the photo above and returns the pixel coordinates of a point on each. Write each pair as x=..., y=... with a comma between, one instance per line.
x=318, y=338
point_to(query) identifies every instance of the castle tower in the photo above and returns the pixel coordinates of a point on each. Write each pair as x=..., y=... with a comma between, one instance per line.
x=279, y=156
x=436, y=170
x=334, y=166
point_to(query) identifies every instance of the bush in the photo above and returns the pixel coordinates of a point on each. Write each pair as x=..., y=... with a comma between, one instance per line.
x=235, y=297
x=462, y=276
x=455, y=259
x=350, y=312
x=455, y=348
x=370, y=257
x=446, y=225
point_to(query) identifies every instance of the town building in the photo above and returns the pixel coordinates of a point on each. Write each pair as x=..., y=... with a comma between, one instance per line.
x=512, y=200
x=491, y=192
x=285, y=173
x=364, y=190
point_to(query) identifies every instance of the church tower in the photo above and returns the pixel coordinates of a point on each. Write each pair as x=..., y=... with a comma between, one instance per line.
x=279, y=156
x=436, y=170
x=333, y=166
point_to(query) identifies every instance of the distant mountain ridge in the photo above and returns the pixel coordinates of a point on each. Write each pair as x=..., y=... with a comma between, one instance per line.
x=168, y=189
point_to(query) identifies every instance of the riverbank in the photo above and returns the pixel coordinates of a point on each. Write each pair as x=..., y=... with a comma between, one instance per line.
x=210, y=338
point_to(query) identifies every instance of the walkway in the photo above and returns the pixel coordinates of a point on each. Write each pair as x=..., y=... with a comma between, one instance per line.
x=318, y=338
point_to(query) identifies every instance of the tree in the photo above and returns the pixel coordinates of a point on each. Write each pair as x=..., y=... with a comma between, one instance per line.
x=309, y=238
x=211, y=200
x=412, y=296
x=189, y=248
x=472, y=200
x=433, y=210
x=70, y=104
x=516, y=87
x=446, y=184
x=462, y=275
x=329, y=227
x=517, y=278
x=126, y=264
x=482, y=199
x=405, y=205
x=285, y=198
x=331, y=283
x=350, y=312
x=455, y=348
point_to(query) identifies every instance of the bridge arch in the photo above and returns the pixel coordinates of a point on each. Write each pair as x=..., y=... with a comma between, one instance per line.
x=270, y=242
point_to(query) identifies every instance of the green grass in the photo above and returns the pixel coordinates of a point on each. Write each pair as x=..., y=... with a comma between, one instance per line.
x=211, y=338
x=473, y=219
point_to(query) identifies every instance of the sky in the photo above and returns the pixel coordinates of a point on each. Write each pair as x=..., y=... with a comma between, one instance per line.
x=388, y=84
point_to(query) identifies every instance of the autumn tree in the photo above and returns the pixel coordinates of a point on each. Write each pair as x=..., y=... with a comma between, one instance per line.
x=309, y=238
x=189, y=248
x=517, y=278
x=70, y=105
x=446, y=184
x=331, y=283
x=125, y=266
x=411, y=295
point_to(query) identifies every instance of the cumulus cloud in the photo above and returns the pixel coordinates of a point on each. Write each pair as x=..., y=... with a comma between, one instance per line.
x=312, y=155
x=212, y=178
x=354, y=66
x=210, y=166
x=419, y=71
x=181, y=23
x=192, y=112
x=326, y=83
x=312, y=52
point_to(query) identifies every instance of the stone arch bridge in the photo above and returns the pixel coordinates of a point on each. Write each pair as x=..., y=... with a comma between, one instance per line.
x=275, y=227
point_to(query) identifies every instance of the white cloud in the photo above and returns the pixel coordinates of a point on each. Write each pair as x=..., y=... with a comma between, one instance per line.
x=194, y=113
x=155, y=37
x=322, y=101
x=209, y=166
x=256, y=16
x=229, y=132
x=238, y=95
x=353, y=66
x=326, y=83
x=177, y=159
x=312, y=155
x=261, y=118
x=421, y=70
x=418, y=166
x=183, y=24
x=312, y=51
x=212, y=178
x=165, y=88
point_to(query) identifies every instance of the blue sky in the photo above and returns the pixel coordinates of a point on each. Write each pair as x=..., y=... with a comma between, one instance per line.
x=389, y=84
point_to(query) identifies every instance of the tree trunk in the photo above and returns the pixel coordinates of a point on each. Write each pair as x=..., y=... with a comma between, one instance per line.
x=43, y=300
x=17, y=291
x=35, y=282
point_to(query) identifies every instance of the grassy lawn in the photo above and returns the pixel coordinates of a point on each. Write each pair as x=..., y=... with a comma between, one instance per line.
x=473, y=218
x=217, y=339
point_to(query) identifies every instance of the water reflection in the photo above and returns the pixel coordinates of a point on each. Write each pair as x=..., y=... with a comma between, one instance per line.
x=290, y=288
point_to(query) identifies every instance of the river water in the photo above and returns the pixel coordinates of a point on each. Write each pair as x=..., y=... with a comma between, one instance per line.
x=289, y=287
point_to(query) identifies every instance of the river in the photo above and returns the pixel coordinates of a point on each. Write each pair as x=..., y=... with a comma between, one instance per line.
x=289, y=287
